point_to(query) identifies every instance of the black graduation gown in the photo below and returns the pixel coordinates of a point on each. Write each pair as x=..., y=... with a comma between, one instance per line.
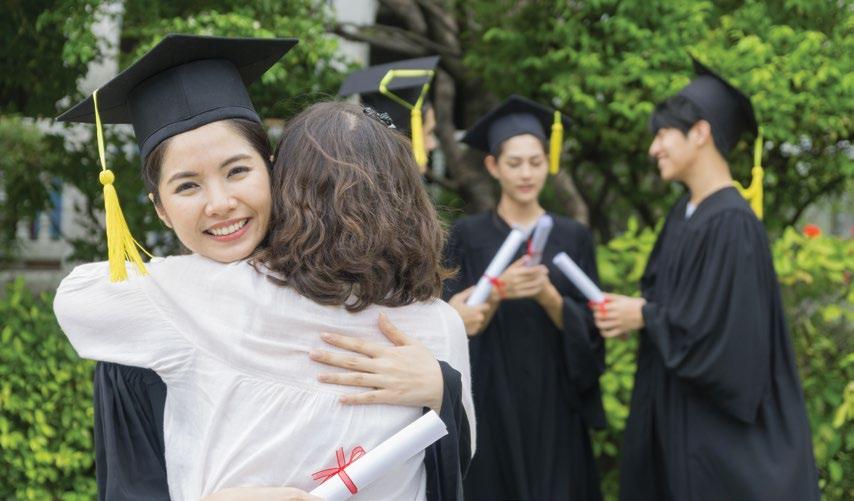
x=717, y=410
x=535, y=387
x=129, y=460
x=129, y=450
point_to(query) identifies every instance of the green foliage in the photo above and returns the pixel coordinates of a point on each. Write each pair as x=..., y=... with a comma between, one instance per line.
x=45, y=46
x=606, y=63
x=815, y=278
x=309, y=72
x=22, y=194
x=621, y=263
x=45, y=405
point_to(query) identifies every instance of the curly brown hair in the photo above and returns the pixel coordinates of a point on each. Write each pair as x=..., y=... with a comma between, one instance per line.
x=352, y=224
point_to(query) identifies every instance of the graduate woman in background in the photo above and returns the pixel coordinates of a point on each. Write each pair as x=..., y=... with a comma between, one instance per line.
x=717, y=409
x=130, y=400
x=536, y=362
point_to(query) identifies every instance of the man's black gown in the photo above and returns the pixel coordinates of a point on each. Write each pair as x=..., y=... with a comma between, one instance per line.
x=535, y=387
x=130, y=464
x=717, y=410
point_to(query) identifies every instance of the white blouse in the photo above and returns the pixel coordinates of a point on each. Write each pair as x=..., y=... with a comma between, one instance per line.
x=243, y=406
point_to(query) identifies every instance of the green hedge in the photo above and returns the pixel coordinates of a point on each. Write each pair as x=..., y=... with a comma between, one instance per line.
x=45, y=391
x=45, y=405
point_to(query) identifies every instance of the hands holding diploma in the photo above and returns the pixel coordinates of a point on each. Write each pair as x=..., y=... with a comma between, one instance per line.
x=496, y=267
x=525, y=278
x=619, y=315
x=615, y=315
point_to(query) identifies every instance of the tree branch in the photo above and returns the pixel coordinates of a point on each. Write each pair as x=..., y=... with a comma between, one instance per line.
x=442, y=181
x=406, y=42
x=381, y=37
x=812, y=197
x=570, y=198
x=442, y=20
x=408, y=11
x=471, y=182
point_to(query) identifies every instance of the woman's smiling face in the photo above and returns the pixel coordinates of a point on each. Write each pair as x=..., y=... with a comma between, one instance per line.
x=214, y=192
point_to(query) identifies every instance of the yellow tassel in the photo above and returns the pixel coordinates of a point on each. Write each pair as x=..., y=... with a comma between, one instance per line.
x=416, y=126
x=418, y=139
x=754, y=193
x=555, y=144
x=121, y=245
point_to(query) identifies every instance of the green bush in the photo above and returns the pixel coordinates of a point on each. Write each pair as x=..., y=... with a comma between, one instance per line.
x=815, y=275
x=45, y=405
x=46, y=391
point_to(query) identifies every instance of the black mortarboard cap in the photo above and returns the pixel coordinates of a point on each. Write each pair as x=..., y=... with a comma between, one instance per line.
x=366, y=83
x=184, y=82
x=515, y=116
x=727, y=109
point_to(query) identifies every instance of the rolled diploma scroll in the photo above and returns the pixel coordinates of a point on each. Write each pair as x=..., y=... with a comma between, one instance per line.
x=578, y=277
x=496, y=267
x=386, y=456
x=538, y=241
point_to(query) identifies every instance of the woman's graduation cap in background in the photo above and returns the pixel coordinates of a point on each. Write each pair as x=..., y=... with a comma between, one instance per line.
x=516, y=116
x=183, y=83
x=399, y=89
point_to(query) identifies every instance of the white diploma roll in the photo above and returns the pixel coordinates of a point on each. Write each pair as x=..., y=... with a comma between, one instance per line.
x=386, y=456
x=578, y=278
x=538, y=241
x=496, y=267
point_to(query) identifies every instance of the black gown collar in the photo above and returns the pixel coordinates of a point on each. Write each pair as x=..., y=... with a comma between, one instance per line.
x=503, y=225
x=724, y=198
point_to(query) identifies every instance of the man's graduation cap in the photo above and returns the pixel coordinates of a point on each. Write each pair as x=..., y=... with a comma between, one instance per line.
x=184, y=82
x=399, y=89
x=516, y=116
x=730, y=113
x=726, y=108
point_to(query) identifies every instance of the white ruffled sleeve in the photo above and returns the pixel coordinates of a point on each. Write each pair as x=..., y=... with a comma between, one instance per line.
x=118, y=321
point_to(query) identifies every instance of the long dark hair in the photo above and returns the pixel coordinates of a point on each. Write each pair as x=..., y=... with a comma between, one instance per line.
x=352, y=224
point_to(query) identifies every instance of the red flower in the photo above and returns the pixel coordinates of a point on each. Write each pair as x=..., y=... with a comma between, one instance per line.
x=812, y=231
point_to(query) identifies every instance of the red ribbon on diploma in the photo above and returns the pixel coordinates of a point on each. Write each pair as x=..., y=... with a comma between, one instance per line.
x=498, y=284
x=530, y=251
x=324, y=475
x=601, y=305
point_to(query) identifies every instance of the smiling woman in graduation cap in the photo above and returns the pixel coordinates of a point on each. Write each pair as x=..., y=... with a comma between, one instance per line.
x=717, y=410
x=537, y=360
x=206, y=164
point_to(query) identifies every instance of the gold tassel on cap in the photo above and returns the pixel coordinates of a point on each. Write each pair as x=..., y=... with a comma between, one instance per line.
x=418, y=149
x=416, y=123
x=555, y=144
x=121, y=245
x=754, y=193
